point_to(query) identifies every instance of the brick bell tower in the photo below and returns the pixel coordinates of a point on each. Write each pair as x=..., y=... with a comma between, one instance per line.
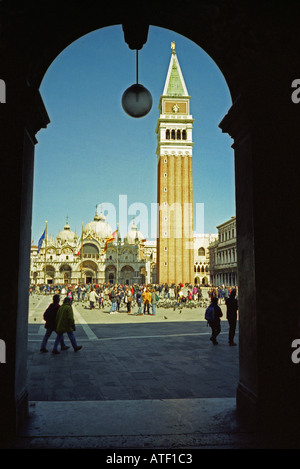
x=175, y=244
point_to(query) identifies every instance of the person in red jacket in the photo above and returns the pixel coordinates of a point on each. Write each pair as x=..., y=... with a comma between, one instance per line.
x=50, y=318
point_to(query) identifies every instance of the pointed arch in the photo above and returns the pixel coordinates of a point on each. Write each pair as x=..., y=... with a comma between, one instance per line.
x=201, y=251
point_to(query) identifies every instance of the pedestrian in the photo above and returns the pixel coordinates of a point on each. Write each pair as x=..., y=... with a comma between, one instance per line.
x=101, y=301
x=78, y=293
x=65, y=324
x=128, y=299
x=225, y=294
x=154, y=299
x=231, y=314
x=119, y=296
x=139, y=301
x=70, y=295
x=50, y=324
x=220, y=294
x=215, y=323
x=146, y=300
x=181, y=297
x=113, y=299
x=93, y=298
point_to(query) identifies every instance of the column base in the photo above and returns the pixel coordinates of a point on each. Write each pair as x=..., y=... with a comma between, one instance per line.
x=274, y=425
x=246, y=402
x=22, y=410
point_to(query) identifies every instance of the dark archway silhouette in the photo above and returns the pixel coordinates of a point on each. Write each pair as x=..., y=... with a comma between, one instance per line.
x=257, y=50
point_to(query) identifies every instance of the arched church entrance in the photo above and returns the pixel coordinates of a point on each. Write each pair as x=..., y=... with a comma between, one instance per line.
x=65, y=274
x=258, y=60
x=110, y=274
x=89, y=271
x=49, y=274
x=127, y=275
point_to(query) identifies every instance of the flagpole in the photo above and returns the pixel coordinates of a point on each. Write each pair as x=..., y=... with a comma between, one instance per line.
x=45, y=253
x=117, y=276
x=81, y=253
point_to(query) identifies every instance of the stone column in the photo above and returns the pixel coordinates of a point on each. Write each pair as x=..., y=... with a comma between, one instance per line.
x=266, y=143
x=22, y=116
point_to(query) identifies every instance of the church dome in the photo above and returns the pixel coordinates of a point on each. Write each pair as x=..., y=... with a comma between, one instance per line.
x=98, y=227
x=66, y=234
x=133, y=235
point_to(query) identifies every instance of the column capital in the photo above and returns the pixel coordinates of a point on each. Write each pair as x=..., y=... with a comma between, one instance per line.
x=235, y=122
x=37, y=117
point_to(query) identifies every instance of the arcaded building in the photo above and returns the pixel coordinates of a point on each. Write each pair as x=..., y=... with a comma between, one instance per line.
x=223, y=255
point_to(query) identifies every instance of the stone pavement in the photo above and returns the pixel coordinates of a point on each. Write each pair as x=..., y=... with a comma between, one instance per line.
x=138, y=382
x=132, y=357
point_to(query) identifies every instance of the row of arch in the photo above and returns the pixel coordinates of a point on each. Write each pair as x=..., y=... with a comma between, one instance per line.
x=200, y=281
x=201, y=269
x=176, y=134
x=88, y=248
x=85, y=264
x=90, y=271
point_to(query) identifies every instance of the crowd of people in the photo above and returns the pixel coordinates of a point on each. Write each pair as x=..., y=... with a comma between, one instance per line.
x=181, y=292
x=60, y=319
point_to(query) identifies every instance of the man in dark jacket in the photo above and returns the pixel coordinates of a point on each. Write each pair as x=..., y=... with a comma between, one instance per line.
x=50, y=318
x=232, y=308
x=65, y=323
x=215, y=324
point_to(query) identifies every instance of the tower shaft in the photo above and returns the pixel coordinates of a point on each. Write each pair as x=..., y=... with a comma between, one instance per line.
x=175, y=247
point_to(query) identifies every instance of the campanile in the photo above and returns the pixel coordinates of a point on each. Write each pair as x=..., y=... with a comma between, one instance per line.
x=175, y=246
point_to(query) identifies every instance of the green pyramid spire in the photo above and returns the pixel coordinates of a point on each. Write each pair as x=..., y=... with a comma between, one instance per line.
x=175, y=85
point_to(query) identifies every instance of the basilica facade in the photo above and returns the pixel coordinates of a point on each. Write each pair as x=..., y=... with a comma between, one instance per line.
x=95, y=257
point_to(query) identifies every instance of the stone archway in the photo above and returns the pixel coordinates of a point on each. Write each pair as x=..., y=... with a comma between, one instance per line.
x=126, y=275
x=49, y=273
x=110, y=274
x=89, y=271
x=257, y=50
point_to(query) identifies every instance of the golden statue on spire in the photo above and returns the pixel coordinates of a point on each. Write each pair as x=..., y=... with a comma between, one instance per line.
x=173, y=46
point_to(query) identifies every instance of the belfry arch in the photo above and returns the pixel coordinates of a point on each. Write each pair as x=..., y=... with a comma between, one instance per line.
x=257, y=50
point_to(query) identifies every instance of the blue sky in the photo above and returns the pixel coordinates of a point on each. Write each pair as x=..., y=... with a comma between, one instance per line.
x=92, y=152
